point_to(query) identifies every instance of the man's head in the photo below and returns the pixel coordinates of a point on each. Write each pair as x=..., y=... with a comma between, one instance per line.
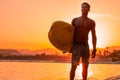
x=85, y=8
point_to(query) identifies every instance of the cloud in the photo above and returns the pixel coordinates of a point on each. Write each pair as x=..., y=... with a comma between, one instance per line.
x=93, y=15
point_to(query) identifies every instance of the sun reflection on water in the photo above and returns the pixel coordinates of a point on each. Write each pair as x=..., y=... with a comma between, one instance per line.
x=79, y=72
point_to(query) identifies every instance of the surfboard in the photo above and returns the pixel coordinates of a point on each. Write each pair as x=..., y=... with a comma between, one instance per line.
x=61, y=35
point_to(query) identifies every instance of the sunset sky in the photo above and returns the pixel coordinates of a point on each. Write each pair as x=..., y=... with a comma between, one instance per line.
x=24, y=24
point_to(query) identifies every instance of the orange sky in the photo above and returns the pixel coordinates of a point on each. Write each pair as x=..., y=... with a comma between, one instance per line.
x=24, y=24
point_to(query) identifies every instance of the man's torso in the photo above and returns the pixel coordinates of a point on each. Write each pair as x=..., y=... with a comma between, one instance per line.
x=82, y=28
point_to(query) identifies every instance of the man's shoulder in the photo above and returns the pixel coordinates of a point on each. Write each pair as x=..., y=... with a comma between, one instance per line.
x=92, y=23
x=75, y=18
x=91, y=20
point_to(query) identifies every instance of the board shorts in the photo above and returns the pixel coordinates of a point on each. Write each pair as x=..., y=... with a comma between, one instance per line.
x=78, y=51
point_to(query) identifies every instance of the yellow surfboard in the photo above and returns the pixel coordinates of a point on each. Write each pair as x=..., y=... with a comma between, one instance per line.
x=61, y=35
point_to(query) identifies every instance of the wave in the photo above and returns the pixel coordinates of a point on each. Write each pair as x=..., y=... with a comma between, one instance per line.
x=114, y=78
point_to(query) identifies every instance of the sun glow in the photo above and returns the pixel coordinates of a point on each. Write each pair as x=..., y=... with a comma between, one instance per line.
x=79, y=72
x=25, y=24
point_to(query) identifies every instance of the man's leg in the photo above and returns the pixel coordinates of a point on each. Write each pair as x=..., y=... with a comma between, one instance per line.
x=75, y=60
x=85, y=61
x=72, y=72
x=84, y=70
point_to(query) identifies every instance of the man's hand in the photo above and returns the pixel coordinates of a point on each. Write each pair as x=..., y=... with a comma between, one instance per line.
x=94, y=53
x=64, y=51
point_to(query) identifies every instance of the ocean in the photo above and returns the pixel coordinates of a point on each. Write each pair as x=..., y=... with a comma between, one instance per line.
x=55, y=71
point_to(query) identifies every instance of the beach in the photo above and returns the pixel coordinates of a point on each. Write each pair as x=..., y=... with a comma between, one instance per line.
x=54, y=71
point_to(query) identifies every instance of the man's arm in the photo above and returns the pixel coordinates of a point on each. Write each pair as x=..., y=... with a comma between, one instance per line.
x=94, y=40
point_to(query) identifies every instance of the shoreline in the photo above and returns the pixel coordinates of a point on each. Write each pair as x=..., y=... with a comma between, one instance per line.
x=44, y=61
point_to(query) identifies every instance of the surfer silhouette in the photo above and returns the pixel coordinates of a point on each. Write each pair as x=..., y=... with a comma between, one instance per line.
x=83, y=25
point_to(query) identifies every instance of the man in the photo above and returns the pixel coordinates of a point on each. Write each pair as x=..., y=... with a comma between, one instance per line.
x=83, y=25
